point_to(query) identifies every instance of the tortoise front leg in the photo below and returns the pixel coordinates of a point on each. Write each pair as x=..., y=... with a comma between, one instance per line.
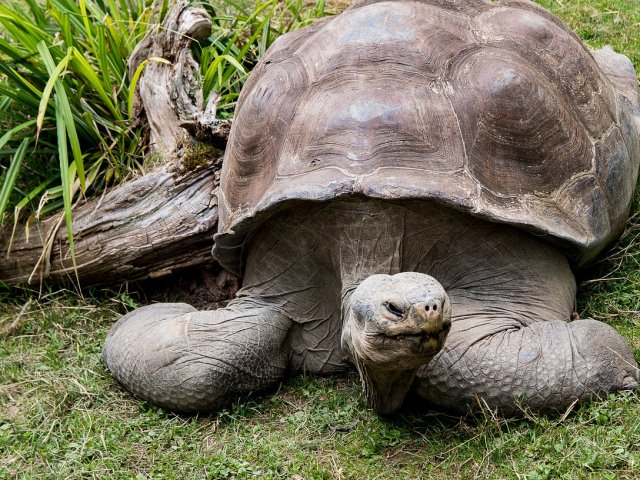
x=187, y=360
x=545, y=366
x=512, y=343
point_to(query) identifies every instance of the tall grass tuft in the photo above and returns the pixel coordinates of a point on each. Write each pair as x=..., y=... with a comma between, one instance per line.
x=64, y=127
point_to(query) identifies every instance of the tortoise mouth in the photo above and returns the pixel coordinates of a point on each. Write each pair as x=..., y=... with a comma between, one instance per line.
x=415, y=343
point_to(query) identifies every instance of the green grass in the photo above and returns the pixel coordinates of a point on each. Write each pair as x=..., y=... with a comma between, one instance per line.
x=63, y=416
x=63, y=94
x=242, y=32
x=602, y=22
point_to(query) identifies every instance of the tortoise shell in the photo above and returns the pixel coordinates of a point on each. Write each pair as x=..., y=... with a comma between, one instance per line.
x=493, y=108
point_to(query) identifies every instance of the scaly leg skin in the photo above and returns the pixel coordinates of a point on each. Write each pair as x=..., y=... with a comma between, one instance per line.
x=186, y=360
x=545, y=366
x=511, y=344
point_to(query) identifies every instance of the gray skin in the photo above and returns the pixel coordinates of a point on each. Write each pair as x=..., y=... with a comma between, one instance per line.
x=379, y=284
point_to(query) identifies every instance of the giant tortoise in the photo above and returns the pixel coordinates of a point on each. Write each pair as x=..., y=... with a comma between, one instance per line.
x=406, y=188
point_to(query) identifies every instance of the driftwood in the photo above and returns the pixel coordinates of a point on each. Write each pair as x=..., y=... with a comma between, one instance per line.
x=146, y=228
x=169, y=94
x=169, y=98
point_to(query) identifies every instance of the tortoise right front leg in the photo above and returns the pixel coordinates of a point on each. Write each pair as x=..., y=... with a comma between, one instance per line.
x=187, y=360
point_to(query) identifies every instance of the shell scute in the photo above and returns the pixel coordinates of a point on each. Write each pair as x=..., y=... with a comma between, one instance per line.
x=357, y=129
x=421, y=37
x=614, y=164
x=374, y=26
x=462, y=6
x=265, y=114
x=558, y=55
x=519, y=131
x=585, y=205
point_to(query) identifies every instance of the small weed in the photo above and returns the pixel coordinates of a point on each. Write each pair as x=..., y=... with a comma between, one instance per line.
x=198, y=155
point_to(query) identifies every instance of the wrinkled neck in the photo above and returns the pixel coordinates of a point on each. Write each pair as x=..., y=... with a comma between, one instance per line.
x=384, y=390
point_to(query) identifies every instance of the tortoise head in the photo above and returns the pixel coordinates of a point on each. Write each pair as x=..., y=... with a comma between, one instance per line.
x=393, y=325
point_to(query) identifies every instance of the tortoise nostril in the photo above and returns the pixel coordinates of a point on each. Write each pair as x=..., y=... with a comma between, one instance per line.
x=431, y=310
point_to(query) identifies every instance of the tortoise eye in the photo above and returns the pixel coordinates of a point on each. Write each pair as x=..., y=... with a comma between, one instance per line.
x=393, y=308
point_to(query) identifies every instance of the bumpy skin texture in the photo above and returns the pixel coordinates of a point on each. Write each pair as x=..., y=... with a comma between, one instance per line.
x=189, y=361
x=476, y=142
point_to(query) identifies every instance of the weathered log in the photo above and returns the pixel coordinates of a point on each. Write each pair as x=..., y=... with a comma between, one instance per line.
x=158, y=223
x=147, y=228
x=169, y=95
x=169, y=98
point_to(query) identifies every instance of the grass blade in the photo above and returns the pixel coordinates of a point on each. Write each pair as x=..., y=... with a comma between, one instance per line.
x=215, y=67
x=63, y=156
x=83, y=67
x=72, y=133
x=87, y=25
x=12, y=174
x=9, y=134
x=54, y=74
x=62, y=102
x=136, y=78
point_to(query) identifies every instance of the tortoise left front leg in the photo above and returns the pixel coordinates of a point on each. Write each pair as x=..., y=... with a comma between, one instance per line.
x=545, y=366
x=512, y=344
